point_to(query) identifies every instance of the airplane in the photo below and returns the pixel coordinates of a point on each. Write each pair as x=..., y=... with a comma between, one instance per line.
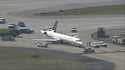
x=59, y=38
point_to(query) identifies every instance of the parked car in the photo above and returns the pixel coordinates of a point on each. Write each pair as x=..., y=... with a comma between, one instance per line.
x=12, y=26
x=2, y=20
x=25, y=30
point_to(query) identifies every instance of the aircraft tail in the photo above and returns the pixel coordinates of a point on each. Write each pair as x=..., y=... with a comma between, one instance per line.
x=55, y=26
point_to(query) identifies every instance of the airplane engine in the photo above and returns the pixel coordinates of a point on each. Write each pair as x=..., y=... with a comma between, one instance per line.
x=45, y=33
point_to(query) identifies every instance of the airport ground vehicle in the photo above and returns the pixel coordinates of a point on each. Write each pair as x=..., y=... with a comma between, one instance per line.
x=74, y=30
x=12, y=26
x=25, y=30
x=2, y=20
x=21, y=24
x=118, y=40
x=20, y=28
x=97, y=44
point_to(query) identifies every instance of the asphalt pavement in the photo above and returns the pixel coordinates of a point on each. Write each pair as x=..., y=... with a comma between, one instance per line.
x=10, y=9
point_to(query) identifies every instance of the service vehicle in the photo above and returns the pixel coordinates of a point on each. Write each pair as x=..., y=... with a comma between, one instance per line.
x=2, y=20
x=98, y=44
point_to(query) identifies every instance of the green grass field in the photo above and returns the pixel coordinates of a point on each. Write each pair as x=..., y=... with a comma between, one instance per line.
x=99, y=10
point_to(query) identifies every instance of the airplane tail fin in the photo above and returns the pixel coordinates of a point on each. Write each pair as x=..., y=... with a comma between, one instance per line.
x=54, y=26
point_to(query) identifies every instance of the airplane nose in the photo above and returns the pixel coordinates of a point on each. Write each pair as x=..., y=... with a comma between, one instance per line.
x=80, y=43
x=42, y=31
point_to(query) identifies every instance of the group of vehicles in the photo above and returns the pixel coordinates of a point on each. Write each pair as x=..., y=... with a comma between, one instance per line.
x=13, y=30
x=21, y=27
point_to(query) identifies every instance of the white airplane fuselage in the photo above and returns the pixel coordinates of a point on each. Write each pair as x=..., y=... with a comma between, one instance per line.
x=63, y=38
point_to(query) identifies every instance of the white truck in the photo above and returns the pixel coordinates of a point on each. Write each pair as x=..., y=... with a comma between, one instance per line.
x=2, y=20
x=97, y=44
x=118, y=40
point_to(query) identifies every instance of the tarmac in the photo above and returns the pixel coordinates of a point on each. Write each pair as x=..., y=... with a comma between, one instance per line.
x=33, y=58
x=17, y=10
